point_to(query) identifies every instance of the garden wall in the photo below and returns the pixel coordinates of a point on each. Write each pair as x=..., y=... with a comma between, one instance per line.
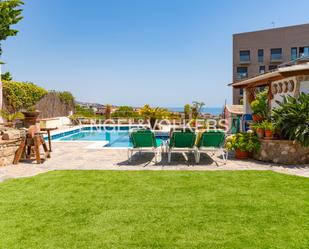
x=8, y=150
x=282, y=151
x=52, y=106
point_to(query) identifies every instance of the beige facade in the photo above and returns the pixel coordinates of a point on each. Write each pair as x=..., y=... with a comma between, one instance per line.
x=261, y=51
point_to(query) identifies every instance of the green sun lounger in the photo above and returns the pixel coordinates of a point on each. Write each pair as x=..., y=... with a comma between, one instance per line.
x=143, y=140
x=182, y=141
x=213, y=142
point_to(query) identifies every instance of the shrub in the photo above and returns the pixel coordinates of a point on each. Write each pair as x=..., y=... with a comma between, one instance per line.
x=66, y=97
x=21, y=95
x=246, y=141
x=260, y=104
x=291, y=118
x=84, y=112
x=125, y=112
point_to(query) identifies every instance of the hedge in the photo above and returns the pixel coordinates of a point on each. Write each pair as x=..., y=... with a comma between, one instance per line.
x=22, y=95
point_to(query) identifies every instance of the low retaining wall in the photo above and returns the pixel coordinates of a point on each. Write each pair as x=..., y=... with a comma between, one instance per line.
x=282, y=151
x=7, y=151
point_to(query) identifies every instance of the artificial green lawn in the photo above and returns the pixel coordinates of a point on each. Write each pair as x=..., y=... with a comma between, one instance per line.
x=148, y=209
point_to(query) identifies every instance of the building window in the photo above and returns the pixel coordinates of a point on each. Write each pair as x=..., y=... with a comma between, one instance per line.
x=262, y=69
x=260, y=55
x=304, y=51
x=276, y=54
x=293, y=54
x=242, y=73
x=272, y=67
x=244, y=56
x=241, y=91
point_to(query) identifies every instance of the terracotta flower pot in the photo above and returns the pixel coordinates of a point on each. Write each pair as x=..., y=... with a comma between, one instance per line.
x=240, y=154
x=268, y=134
x=260, y=132
x=257, y=118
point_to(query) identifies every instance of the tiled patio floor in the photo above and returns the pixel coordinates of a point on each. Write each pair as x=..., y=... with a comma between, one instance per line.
x=75, y=156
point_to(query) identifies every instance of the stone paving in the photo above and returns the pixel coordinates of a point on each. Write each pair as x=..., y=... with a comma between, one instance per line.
x=76, y=156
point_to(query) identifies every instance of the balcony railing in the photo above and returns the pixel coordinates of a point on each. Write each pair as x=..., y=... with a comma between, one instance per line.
x=244, y=59
x=241, y=76
x=275, y=57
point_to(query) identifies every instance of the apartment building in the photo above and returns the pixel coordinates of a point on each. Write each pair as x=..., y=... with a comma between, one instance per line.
x=262, y=51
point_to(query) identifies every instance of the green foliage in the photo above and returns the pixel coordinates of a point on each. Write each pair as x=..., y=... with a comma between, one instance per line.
x=268, y=126
x=66, y=97
x=260, y=104
x=10, y=117
x=10, y=14
x=108, y=111
x=291, y=118
x=125, y=112
x=6, y=76
x=245, y=141
x=21, y=95
x=154, y=113
x=84, y=112
x=258, y=125
x=31, y=109
x=197, y=109
x=187, y=111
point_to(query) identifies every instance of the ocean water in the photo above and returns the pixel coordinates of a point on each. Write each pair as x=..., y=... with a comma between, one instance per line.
x=211, y=110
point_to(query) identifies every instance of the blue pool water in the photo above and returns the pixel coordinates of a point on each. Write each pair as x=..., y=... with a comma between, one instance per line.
x=116, y=136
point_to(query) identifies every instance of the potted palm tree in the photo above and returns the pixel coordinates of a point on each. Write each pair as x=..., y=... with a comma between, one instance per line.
x=11, y=117
x=243, y=144
x=31, y=112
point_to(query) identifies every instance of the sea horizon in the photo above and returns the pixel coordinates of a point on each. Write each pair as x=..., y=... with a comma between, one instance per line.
x=210, y=110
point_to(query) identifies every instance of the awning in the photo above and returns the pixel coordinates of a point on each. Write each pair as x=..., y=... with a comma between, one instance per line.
x=235, y=109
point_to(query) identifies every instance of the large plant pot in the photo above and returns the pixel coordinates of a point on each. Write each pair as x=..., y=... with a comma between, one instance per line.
x=31, y=118
x=260, y=132
x=34, y=114
x=257, y=118
x=240, y=154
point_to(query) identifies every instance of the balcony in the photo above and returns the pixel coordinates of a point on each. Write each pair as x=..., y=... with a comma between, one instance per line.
x=276, y=58
x=241, y=76
x=244, y=59
x=276, y=55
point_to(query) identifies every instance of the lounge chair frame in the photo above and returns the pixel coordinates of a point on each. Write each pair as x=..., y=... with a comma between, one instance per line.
x=171, y=148
x=212, y=150
x=140, y=148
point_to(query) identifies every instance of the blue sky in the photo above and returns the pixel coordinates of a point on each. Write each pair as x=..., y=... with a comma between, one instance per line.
x=132, y=52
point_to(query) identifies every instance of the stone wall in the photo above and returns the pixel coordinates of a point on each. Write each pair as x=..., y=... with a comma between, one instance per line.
x=7, y=151
x=282, y=151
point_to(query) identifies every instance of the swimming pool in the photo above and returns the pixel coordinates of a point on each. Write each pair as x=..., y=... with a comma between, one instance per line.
x=115, y=136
